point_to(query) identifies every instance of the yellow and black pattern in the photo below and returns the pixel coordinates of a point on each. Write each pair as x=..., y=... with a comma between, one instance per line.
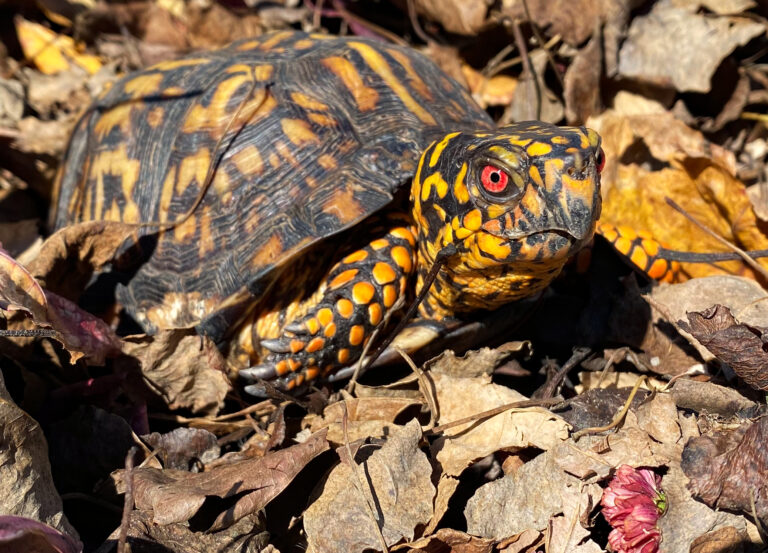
x=515, y=203
x=272, y=158
x=356, y=297
x=328, y=129
x=642, y=250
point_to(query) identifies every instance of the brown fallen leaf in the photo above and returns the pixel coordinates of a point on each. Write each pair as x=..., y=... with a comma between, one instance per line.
x=455, y=540
x=70, y=256
x=574, y=20
x=700, y=44
x=245, y=536
x=398, y=477
x=532, y=101
x=367, y=417
x=741, y=346
x=81, y=334
x=723, y=540
x=182, y=447
x=464, y=17
x=729, y=469
x=175, y=496
x=528, y=499
x=26, y=484
x=582, y=82
x=185, y=369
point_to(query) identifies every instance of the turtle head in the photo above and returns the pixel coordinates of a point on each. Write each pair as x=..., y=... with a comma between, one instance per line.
x=511, y=206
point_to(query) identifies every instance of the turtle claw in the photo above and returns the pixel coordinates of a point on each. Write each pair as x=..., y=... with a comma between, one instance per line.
x=277, y=345
x=258, y=391
x=263, y=372
x=296, y=328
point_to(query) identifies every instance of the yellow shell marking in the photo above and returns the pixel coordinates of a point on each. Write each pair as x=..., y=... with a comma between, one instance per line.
x=216, y=116
x=143, y=85
x=365, y=97
x=248, y=161
x=414, y=79
x=379, y=65
x=170, y=65
x=307, y=102
x=298, y=132
x=118, y=116
x=194, y=167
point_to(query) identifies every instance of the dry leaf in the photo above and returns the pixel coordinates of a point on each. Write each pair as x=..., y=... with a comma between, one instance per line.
x=398, y=477
x=722, y=7
x=26, y=485
x=729, y=469
x=464, y=17
x=724, y=540
x=456, y=541
x=81, y=334
x=366, y=417
x=574, y=20
x=699, y=43
x=50, y=52
x=741, y=346
x=31, y=536
x=528, y=97
x=709, y=398
x=582, y=83
x=186, y=369
x=529, y=499
x=175, y=496
x=182, y=448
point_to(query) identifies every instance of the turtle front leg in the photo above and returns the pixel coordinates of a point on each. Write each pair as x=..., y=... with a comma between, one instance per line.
x=354, y=299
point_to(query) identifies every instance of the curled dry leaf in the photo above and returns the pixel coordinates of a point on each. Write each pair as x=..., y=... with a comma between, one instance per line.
x=740, y=345
x=180, y=447
x=245, y=536
x=398, y=478
x=25, y=534
x=175, y=496
x=454, y=540
x=700, y=44
x=574, y=20
x=82, y=334
x=26, y=484
x=185, y=369
x=582, y=82
x=464, y=17
x=729, y=469
x=723, y=540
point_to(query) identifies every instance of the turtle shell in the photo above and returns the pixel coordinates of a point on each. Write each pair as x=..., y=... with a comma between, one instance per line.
x=304, y=136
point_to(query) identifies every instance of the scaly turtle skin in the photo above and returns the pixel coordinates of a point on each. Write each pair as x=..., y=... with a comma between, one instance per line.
x=280, y=169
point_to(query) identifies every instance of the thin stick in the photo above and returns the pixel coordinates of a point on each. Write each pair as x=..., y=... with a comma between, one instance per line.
x=527, y=66
x=414, y=17
x=426, y=389
x=618, y=419
x=128, y=500
x=495, y=411
x=744, y=255
x=548, y=390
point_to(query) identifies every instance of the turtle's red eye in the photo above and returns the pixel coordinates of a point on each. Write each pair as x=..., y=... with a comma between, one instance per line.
x=493, y=179
x=600, y=160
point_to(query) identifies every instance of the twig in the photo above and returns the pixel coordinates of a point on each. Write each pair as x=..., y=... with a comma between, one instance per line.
x=543, y=45
x=744, y=255
x=128, y=501
x=357, y=480
x=424, y=385
x=527, y=66
x=548, y=390
x=495, y=411
x=413, y=16
x=618, y=419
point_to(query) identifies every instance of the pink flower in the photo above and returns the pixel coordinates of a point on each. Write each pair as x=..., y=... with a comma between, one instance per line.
x=632, y=504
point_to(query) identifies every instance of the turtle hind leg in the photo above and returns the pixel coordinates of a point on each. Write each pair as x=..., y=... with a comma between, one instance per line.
x=354, y=299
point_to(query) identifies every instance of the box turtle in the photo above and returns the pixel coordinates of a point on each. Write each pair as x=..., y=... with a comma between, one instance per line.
x=307, y=183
